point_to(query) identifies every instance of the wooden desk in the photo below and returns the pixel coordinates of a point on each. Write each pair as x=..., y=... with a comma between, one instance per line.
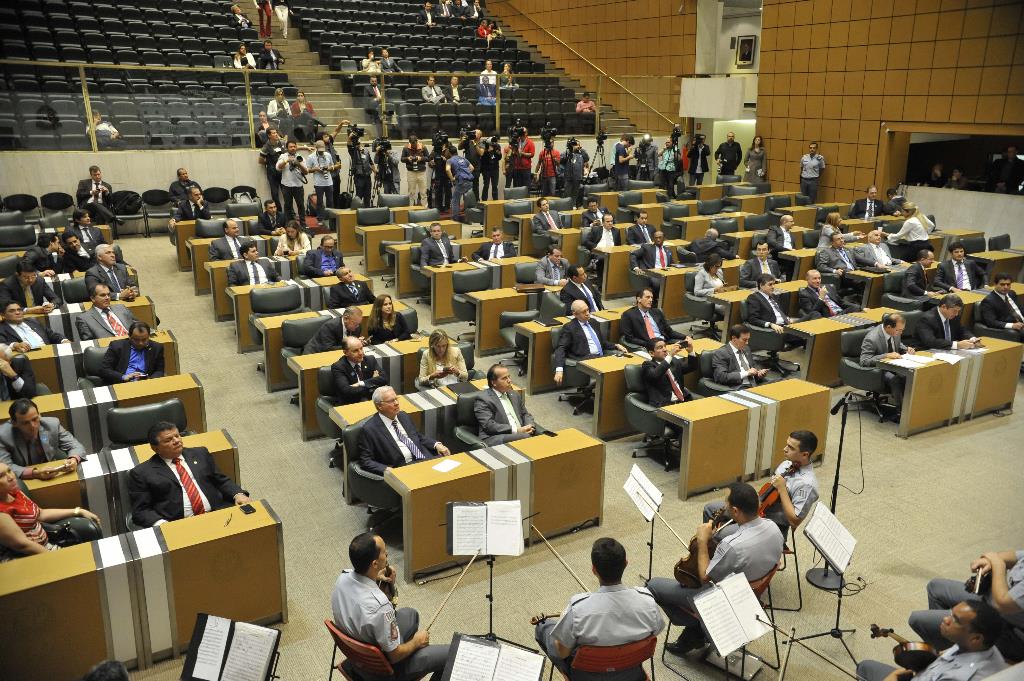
x=615, y=271
x=741, y=242
x=822, y=352
x=345, y=229
x=799, y=405
x=503, y=270
x=992, y=381
x=494, y=213
x=539, y=374
x=928, y=397
x=874, y=285
x=489, y=306
x=183, y=232
x=568, y=241
x=672, y=290
x=607, y=200
x=713, y=444
x=314, y=294
x=749, y=203
x=371, y=236
x=199, y=252
x=803, y=260
x=804, y=216
x=732, y=300
x=609, y=419
x=84, y=413
x=441, y=311
x=999, y=261
x=707, y=192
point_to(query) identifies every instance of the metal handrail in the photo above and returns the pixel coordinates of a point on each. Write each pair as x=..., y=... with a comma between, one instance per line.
x=592, y=65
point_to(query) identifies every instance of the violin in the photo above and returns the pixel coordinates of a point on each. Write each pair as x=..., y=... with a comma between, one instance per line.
x=685, y=571
x=768, y=495
x=913, y=655
x=537, y=619
x=389, y=586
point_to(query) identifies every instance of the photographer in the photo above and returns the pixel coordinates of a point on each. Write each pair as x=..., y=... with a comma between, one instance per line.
x=414, y=156
x=440, y=184
x=646, y=159
x=322, y=163
x=548, y=164
x=460, y=173
x=386, y=166
x=623, y=155
x=293, y=176
x=472, y=148
x=490, y=164
x=698, y=155
x=668, y=167
x=520, y=151
x=577, y=165
x=729, y=154
x=269, y=155
x=362, y=164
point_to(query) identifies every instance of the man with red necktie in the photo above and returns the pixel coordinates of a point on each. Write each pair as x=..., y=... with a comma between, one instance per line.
x=644, y=325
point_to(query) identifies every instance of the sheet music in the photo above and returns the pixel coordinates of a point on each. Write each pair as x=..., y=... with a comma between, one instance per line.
x=720, y=621
x=516, y=664
x=469, y=529
x=830, y=537
x=642, y=491
x=210, y=653
x=474, y=661
x=504, y=528
x=745, y=605
x=252, y=648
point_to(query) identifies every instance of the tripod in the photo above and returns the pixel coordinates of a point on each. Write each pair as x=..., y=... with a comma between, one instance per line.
x=599, y=161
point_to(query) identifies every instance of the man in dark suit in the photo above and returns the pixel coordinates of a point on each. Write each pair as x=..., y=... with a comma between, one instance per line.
x=760, y=264
x=332, y=334
x=249, y=270
x=436, y=249
x=355, y=374
x=603, y=234
x=733, y=363
x=269, y=57
x=427, y=17
x=88, y=234
x=229, y=246
x=580, y=339
x=389, y=439
x=552, y=269
x=46, y=256
x=940, y=329
x=640, y=232
x=577, y=288
x=17, y=331
x=644, y=325
x=764, y=309
x=178, y=482
x=958, y=273
x=781, y=238
x=663, y=373
x=593, y=214
x=180, y=189
x=915, y=285
x=103, y=320
x=348, y=292
x=711, y=244
x=271, y=221
x=323, y=261
x=818, y=300
x=93, y=195
x=500, y=411
x=134, y=358
x=26, y=288
x=77, y=258
x=16, y=376
x=193, y=207
x=650, y=257
x=123, y=284
x=1006, y=173
x=1001, y=309
x=869, y=207
x=497, y=248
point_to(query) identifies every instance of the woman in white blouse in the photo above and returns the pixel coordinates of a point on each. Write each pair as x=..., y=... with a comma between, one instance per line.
x=913, y=235
x=293, y=242
x=442, y=363
x=278, y=105
x=244, y=60
x=709, y=280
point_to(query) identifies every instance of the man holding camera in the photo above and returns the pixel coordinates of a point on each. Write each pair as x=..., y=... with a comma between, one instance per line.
x=668, y=167
x=460, y=174
x=521, y=149
x=362, y=164
x=490, y=164
x=473, y=149
x=577, y=164
x=386, y=166
x=623, y=155
x=698, y=155
x=440, y=185
x=414, y=156
x=547, y=164
x=321, y=163
x=293, y=176
x=269, y=156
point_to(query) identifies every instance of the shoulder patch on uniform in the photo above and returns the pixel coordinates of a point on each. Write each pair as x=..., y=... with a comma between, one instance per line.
x=390, y=615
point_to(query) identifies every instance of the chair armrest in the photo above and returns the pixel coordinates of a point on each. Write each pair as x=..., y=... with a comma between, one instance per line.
x=468, y=437
x=354, y=467
x=507, y=319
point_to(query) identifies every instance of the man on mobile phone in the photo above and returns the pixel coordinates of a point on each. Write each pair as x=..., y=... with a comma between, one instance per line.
x=29, y=439
x=135, y=358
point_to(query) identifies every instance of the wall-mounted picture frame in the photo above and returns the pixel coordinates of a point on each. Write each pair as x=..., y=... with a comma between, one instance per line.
x=745, y=47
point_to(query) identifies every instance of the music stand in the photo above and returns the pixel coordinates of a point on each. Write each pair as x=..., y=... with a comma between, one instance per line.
x=647, y=498
x=835, y=544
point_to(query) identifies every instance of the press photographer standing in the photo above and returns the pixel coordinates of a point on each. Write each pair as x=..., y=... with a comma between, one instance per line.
x=362, y=164
x=269, y=156
x=490, y=163
x=577, y=165
x=472, y=149
x=293, y=176
x=386, y=167
x=414, y=156
x=440, y=184
x=698, y=155
x=547, y=164
x=460, y=174
x=520, y=150
x=322, y=163
x=668, y=167
x=623, y=155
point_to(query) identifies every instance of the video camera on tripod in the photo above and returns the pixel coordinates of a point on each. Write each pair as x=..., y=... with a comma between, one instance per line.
x=516, y=133
x=440, y=140
x=548, y=134
x=355, y=132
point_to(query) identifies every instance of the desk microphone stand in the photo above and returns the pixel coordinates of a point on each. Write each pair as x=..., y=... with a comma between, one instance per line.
x=822, y=577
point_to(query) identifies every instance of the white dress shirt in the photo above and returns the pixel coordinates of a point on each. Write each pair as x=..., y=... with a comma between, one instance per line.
x=389, y=425
x=186, y=504
x=607, y=238
x=28, y=335
x=510, y=412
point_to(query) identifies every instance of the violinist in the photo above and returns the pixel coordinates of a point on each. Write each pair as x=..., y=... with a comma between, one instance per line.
x=753, y=549
x=613, y=615
x=794, y=484
x=972, y=627
x=363, y=611
x=1002, y=574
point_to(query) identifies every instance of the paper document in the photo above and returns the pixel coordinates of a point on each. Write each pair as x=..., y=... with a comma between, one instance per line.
x=830, y=537
x=729, y=611
x=474, y=661
x=252, y=649
x=446, y=464
x=469, y=529
x=494, y=528
x=516, y=664
x=210, y=653
x=905, y=363
x=642, y=491
x=947, y=357
x=916, y=359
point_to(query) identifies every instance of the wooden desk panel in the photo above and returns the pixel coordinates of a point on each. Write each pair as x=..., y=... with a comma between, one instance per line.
x=996, y=262
x=615, y=270
x=998, y=376
x=489, y=306
x=609, y=419
x=928, y=396
x=539, y=373
x=672, y=292
x=712, y=445
x=441, y=311
x=183, y=232
x=822, y=352
x=345, y=230
x=802, y=406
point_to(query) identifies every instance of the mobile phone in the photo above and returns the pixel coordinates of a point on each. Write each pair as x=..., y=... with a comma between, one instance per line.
x=551, y=433
x=247, y=509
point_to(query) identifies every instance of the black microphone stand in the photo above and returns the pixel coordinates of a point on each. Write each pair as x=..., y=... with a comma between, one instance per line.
x=823, y=578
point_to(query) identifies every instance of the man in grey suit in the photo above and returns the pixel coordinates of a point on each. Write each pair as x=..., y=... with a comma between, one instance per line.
x=229, y=246
x=501, y=412
x=124, y=285
x=545, y=220
x=552, y=269
x=836, y=259
x=29, y=439
x=436, y=249
x=758, y=265
x=874, y=252
x=885, y=342
x=733, y=363
x=104, y=320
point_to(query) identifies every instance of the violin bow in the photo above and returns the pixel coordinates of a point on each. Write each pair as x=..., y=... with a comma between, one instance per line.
x=560, y=559
x=452, y=590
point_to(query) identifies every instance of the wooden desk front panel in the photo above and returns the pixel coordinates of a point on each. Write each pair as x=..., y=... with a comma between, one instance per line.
x=801, y=406
x=997, y=381
x=713, y=445
x=928, y=397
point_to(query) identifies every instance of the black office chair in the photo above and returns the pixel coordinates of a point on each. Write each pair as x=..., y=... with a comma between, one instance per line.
x=658, y=436
x=12, y=217
x=892, y=287
x=756, y=223
x=242, y=210
x=769, y=343
x=393, y=200
x=811, y=237
x=92, y=362
x=129, y=426
x=583, y=396
x=714, y=207
x=981, y=330
x=17, y=237
x=521, y=207
x=516, y=193
x=739, y=190
x=706, y=384
x=465, y=282
x=726, y=179
x=627, y=198
x=865, y=379
x=725, y=225
x=73, y=290
x=911, y=318
x=466, y=426
x=700, y=309
x=419, y=280
x=526, y=273
x=550, y=307
x=210, y=229
x=999, y=242
x=424, y=215
x=973, y=244
x=772, y=203
x=473, y=211
x=267, y=302
x=327, y=399
x=295, y=333
x=364, y=485
x=52, y=222
x=673, y=230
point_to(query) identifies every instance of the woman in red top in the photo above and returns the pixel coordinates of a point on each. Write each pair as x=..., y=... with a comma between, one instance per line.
x=483, y=30
x=301, y=105
x=20, y=530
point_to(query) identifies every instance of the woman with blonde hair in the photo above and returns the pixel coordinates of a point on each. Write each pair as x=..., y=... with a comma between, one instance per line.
x=833, y=224
x=913, y=235
x=442, y=362
x=294, y=241
x=386, y=324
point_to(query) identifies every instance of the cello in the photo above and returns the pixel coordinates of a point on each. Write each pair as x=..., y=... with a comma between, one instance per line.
x=685, y=571
x=912, y=655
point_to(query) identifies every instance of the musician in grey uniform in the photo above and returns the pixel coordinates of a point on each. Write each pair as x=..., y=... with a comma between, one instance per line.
x=613, y=615
x=363, y=612
x=973, y=627
x=794, y=479
x=1006, y=595
x=754, y=549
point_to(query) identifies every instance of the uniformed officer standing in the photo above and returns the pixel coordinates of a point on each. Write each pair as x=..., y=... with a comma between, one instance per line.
x=363, y=612
x=613, y=615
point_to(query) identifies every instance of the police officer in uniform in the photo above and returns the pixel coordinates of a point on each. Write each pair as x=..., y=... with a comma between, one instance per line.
x=363, y=612
x=613, y=615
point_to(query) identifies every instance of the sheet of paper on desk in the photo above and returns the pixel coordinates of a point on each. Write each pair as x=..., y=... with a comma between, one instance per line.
x=210, y=653
x=445, y=465
x=903, y=362
x=946, y=357
x=916, y=359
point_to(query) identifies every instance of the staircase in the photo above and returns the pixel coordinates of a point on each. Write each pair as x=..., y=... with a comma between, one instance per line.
x=323, y=91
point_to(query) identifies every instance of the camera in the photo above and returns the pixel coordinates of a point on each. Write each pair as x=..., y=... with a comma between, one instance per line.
x=492, y=142
x=517, y=132
x=355, y=132
x=601, y=137
x=676, y=134
x=440, y=139
x=381, y=144
x=645, y=142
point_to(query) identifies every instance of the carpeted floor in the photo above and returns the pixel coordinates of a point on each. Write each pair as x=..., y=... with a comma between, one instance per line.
x=919, y=508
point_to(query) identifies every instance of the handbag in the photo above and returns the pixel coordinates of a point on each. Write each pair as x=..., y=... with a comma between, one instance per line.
x=72, y=531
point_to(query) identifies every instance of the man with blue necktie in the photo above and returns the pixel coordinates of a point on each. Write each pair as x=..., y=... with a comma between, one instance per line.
x=577, y=288
x=579, y=340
